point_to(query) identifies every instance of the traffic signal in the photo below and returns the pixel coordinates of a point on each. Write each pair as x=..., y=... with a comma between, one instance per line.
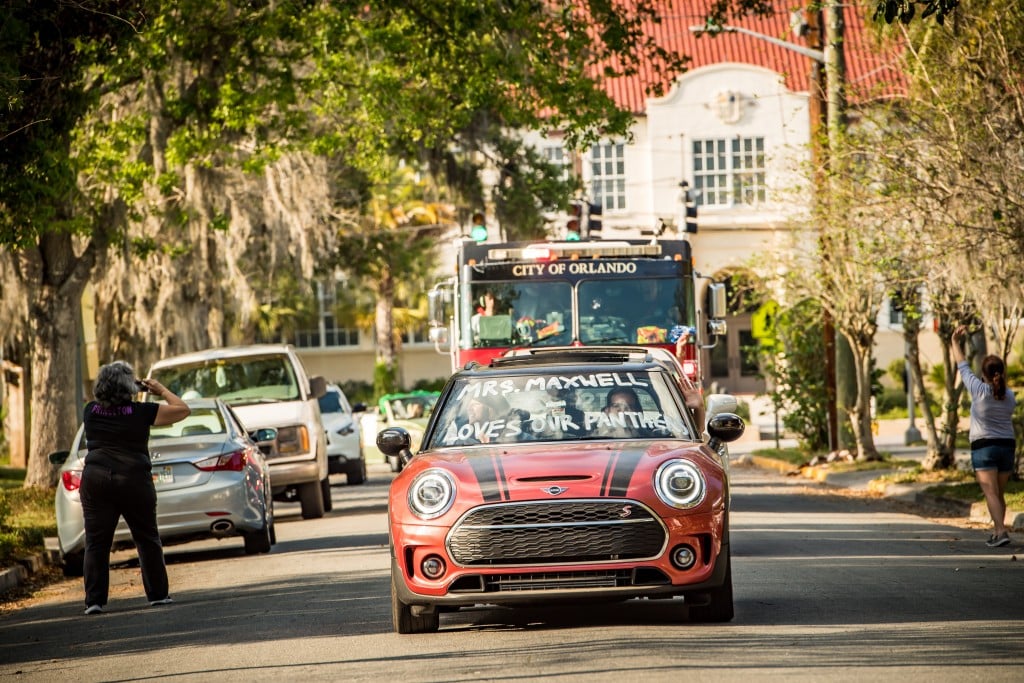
x=594, y=221
x=689, y=201
x=478, y=233
x=574, y=222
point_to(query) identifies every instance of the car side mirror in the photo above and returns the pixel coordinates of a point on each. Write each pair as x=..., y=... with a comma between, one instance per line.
x=725, y=428
x=395, y=441
x=359, y=408
x=317, y=386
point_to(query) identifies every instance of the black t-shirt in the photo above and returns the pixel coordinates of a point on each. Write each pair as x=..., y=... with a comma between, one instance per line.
x=118, y=436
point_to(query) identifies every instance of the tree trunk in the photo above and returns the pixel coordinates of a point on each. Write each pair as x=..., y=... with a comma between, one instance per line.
x=386, y=373
x=860, y=413
x=55, y=280
x=936, y=457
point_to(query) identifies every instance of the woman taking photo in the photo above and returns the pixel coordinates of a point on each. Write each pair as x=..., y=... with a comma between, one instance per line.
x=991, y=432
x=117, y=480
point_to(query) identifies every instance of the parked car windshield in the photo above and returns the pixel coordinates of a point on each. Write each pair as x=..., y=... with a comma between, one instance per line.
x=200, y=421
x=583, y=405
x=334, y=401
x=241, y=380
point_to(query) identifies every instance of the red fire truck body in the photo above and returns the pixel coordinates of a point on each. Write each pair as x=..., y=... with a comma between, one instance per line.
x=586, y=293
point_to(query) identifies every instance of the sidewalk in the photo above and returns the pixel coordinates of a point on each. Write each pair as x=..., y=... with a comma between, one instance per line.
x=890, y=439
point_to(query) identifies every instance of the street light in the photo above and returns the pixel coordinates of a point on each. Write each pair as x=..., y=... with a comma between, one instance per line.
x=808, y=24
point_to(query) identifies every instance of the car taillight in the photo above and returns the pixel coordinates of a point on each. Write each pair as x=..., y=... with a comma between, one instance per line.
x=72, y=479
x=234, y=462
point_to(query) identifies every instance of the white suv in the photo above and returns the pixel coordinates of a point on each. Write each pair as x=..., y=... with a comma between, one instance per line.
x=268, y=388
x=344, y=436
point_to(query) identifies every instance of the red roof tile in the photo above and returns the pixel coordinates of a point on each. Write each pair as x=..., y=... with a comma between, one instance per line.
x=871, y=73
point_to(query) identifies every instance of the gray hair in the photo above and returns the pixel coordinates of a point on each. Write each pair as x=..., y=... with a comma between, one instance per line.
x=115, y=384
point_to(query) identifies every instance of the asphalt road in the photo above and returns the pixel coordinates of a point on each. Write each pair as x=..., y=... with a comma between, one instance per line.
x=827, y=588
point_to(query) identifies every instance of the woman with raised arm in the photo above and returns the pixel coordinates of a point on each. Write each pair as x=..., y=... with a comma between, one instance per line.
x=117, y=480
x=991, y=433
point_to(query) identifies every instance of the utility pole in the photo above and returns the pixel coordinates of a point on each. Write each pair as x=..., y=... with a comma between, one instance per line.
x=811, y=29
x=835, y=80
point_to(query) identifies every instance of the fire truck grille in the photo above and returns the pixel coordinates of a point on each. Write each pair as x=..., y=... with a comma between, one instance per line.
x=556, y=532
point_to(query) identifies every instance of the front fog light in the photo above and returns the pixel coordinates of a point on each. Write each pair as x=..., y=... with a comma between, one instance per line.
x=683, y=557
x=432, y=567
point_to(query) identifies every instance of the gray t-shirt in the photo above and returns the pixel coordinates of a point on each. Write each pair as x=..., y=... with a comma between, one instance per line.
x=990, y=417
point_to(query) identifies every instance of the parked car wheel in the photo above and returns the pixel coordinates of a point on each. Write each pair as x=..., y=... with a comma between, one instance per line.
x=325, y=491
x=358, y=475
x=311, y=498
x=719, y=609
x=74, y=564
x=257, y=542
x=403, y=619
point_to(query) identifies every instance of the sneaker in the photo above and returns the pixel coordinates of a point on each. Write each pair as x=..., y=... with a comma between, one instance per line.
x=165, y=601
x=94, y=609
x=997, y=541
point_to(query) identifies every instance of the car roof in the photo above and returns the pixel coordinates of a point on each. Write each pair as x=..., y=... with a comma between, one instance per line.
x=553, y=359
x=625, y=351
x=222, y=352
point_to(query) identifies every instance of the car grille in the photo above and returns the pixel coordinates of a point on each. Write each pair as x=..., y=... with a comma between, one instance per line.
x=556, y=532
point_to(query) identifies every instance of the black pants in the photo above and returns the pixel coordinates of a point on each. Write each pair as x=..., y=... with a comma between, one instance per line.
x=106, y=496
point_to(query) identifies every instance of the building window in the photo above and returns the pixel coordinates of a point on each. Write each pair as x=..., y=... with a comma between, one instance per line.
x=729, y=172
x=556, y=156
x=608, y=176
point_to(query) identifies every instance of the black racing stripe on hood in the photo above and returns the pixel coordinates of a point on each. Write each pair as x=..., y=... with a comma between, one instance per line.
x=625, y=465
x=502, y=479
x=487, y=477
x=609, y=468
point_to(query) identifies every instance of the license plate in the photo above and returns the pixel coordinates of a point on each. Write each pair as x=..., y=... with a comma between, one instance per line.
x=163, y=475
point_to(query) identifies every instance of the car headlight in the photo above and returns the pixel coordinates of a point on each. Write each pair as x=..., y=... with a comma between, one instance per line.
x=431, y=494
x=680, y=484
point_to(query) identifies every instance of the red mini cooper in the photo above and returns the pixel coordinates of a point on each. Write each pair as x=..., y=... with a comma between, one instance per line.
x=575, y=476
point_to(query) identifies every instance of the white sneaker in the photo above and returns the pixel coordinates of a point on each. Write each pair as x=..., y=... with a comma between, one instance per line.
x=165, y=601
x=94, y=609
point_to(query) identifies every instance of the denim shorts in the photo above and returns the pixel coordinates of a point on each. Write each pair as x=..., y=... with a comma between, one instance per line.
x=998, y=458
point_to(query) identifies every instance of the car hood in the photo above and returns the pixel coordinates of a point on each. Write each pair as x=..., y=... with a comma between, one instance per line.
x=335, y=421
x=587, y=470
x=278, y=414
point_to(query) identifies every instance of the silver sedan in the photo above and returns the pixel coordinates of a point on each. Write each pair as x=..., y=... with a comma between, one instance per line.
x=211, y=481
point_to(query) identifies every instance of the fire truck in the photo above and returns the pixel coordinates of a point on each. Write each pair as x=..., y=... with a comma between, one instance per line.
x=578, y=293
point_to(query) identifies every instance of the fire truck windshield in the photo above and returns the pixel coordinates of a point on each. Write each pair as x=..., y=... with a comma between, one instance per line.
x=639, y=311
x=536, y=313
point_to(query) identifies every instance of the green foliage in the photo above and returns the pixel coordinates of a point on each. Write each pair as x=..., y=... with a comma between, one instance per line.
x=429, y=384
x=796, y=372
x=905, y=10
x=358, y=391
x=385, y=379
x=26, y=516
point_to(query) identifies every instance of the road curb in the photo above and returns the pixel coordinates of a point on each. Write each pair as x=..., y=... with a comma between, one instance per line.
x=15, y=576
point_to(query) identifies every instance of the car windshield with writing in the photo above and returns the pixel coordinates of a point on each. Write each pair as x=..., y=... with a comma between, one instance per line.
x=520, y=408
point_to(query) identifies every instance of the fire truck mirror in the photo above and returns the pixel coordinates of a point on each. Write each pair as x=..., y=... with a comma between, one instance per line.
x=439, y=305
x=439, y=335
x=716, y=300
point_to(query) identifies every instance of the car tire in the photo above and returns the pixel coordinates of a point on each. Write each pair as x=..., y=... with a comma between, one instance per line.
x=73, y=564
x=325, y=491
x=719, y=609
x=358, y=475
x=402, y=617
x=311, y=498
x=257, y=542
